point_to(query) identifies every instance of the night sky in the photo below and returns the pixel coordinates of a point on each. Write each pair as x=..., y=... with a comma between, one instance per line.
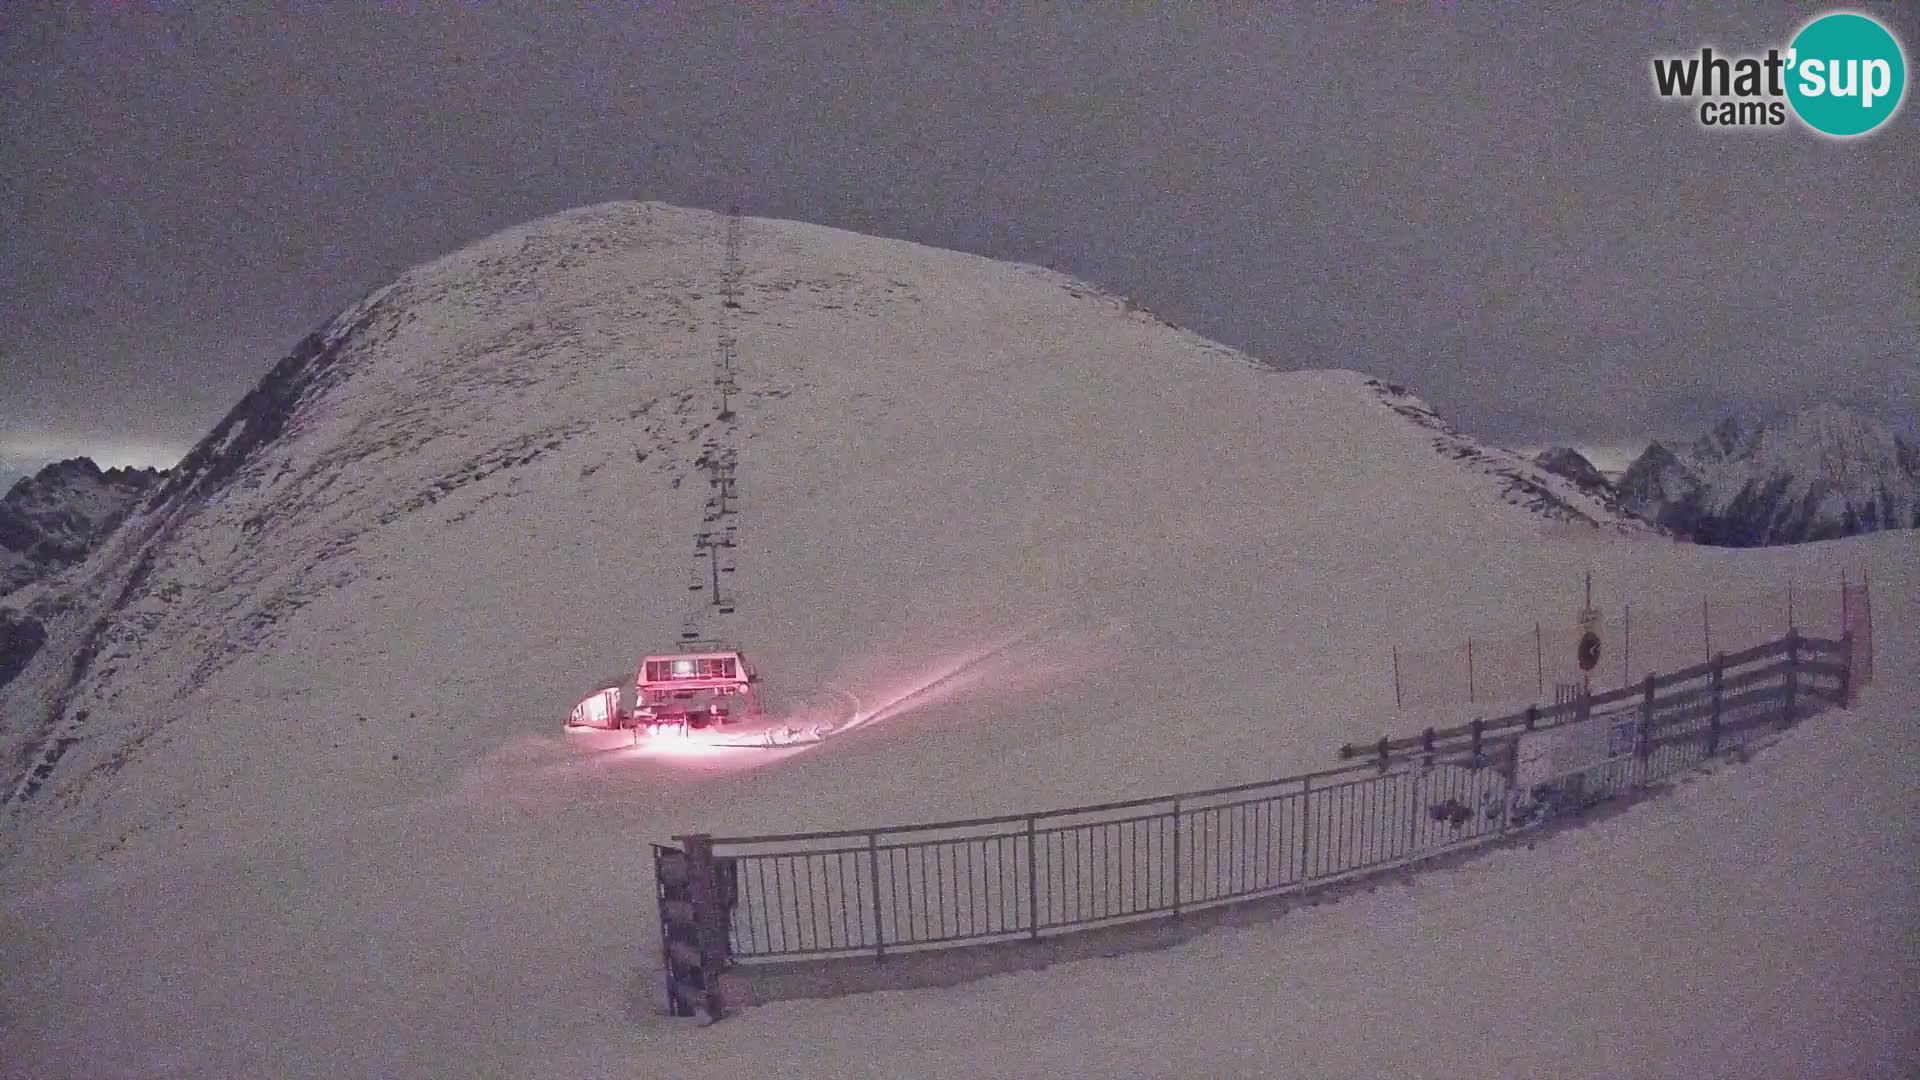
x=1488, y=205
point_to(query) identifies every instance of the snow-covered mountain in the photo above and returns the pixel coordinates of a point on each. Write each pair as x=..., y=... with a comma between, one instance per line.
x=1548, y=484
x=1818, y=474
x=917, y=433
x=296, y=722
x=52, y=519
x=1572, y=464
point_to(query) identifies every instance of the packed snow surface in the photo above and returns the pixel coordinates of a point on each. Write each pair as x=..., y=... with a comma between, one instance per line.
x=312, y=814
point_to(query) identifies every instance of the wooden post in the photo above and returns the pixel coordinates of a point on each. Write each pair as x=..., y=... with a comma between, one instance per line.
x=1706, y=625
x=1645, y=749
x=1793, y=676
x=1383, y=753
x=1539, y=663
x=1846, y=669
x=1713, y=718
x=1479, y=727
x=1866, y=620
x=1513, y=777
x=1396, y=676
x=710, y=928
x=1469, y=671
x=1626, y=643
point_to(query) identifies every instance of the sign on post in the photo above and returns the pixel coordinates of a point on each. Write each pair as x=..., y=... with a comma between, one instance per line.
x=1588, y=650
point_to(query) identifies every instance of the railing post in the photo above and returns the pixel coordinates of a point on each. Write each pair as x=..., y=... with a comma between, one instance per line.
x=1846, y=669
x=1033, y=877
x=1176, y=857
x=1793, y=675
x=873, y=874
x=1713, y=718
x=1306, y=822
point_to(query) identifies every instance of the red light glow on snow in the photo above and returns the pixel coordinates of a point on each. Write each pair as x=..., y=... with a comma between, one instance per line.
x=1016, y=662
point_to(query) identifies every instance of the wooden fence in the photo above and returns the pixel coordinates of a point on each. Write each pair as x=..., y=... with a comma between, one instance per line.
x=1399, y=801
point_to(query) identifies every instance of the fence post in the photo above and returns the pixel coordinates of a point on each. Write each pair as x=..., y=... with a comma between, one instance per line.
x=1713, y=718
x=1866, y=614
x=1706, y=625
x=1846, y=669
x=1479, y=728
x=1176, y=857
x=1793, y=675
x=1626, y=643
x=709, y=925
x=1513, y=780
x=1033, y=877
x=1645, y=749
x=1383, y=753
x=873, y=873
x=1469, y=671
x=1539, y=663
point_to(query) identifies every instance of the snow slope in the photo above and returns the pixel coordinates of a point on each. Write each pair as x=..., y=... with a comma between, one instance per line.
x=290, y=793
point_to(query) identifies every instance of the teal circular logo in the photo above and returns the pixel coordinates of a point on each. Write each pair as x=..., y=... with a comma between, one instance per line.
x=1845, y=74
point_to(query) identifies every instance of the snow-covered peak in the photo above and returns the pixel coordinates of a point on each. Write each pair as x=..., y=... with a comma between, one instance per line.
x=485, y=482
x=1572, y=464
x=1823, y=472
x=52, y=519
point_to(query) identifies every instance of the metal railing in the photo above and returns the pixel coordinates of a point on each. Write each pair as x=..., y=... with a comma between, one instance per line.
x=906, y=888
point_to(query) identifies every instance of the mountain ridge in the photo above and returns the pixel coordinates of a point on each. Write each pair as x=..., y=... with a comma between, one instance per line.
x=1818, y=474
x=52, y=519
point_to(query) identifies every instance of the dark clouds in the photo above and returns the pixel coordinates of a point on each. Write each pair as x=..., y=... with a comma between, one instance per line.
x=1490, y=205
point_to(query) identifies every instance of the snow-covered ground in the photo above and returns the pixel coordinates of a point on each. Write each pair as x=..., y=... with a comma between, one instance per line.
x=1759, y=921
x=321, y=819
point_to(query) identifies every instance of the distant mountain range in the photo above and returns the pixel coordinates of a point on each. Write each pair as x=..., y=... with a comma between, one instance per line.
x=54, y=518
x=1819, y=474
